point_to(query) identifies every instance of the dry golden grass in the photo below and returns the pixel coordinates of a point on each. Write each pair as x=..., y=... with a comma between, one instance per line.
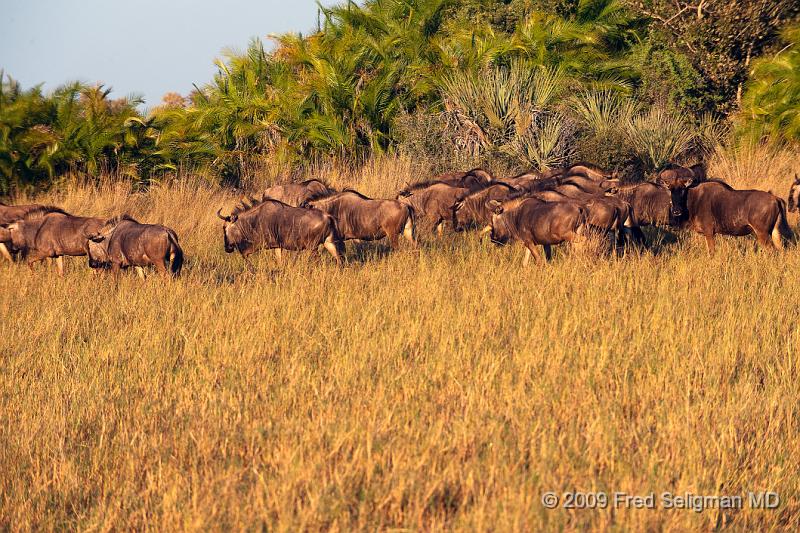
x=441, y=389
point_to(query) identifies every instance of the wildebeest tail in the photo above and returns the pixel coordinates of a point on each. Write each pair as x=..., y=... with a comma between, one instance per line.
x=338, y=241
x=783, y=223
x=175, y=255
x=412, y=219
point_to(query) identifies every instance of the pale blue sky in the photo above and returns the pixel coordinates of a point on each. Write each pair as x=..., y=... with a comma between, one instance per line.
x=148, y=47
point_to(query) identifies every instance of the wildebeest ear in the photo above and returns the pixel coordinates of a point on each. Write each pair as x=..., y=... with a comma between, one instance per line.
x=796, y=178
x=688, y=183
x=234, y=218
x=97, y=238
x=612, y=191
x=495, y=206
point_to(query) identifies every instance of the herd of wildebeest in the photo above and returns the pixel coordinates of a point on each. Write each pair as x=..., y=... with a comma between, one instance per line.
x=536, y=209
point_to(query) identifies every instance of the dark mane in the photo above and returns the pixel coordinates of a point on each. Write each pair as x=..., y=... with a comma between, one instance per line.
x=419, y=185
x=493, y=184
x=113, y=221
x=312, y=180
x=41, y=211
x=586, y=164
x=357, y=193
x=716, y=180
x=247, y=204
x=517, y=194
x=533, y=175
x=320, y=195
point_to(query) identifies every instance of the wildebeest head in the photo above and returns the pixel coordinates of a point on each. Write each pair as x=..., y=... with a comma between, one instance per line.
x=461, y=218
x=794, y=194
x=97, y=245
x=16, y=235
x=678, y=192
x=500, y=232
x=232, y=234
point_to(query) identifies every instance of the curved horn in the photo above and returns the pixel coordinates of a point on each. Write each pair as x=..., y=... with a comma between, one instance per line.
x=220, y=215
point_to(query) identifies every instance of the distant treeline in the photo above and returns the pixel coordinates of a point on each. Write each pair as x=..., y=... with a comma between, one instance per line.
x=515, y=83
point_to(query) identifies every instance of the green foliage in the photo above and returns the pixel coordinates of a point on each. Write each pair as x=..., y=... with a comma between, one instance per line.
x=510, y=112
x=77, y=128
x=771, y=104
x=520, y=83
x=719, y=39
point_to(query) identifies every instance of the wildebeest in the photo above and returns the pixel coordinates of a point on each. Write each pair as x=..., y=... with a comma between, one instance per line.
x=367, y=219
x=8, y=215
x=432, y=204
x=52, y=233
x=794, y=194
x=537, y=224
x=588, y=185
x=650, y=205
x=673, y=174
x=474, y=179
x=473, y=210
x=122, y=242
x=714, y=207
x=271, y=224
x=295, y=194
x=606, y=215
x=587, y=170
x=532, y=181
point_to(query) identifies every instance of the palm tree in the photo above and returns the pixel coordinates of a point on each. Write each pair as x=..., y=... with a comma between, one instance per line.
x=771, y=103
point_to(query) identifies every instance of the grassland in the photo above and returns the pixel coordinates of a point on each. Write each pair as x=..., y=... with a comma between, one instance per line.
x=444, y=388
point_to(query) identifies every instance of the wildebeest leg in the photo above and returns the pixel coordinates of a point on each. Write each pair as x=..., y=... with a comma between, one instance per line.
x=34, y=258
x=637, y=236
x=548, y=252
x=777, y=240
x=409, y=231
x=531, y=251
x=394, y=239
x=763, y=238
x=332, y=248
x=115, y=270
x=710, y=242
x=60, y=265
x=5, y=253
x=527, y=258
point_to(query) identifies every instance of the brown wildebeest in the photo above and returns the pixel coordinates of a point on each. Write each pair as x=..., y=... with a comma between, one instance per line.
x=607, y=215
x=587, y=170
x=472, y=211
x=367, y=219
x=51, y=232
x=714, y=207
x=122, y=242
x=673, y=174
x=532, y=181
x=794, y=194
x=294, y=194
x=537, y=224
x=474, y=179
x=589, y=185
x=271, y=224
x=8, y=215
x=433, y=204
x=649, y=203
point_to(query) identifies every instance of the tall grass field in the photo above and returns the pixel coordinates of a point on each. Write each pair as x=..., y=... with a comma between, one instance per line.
x=438, y=388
